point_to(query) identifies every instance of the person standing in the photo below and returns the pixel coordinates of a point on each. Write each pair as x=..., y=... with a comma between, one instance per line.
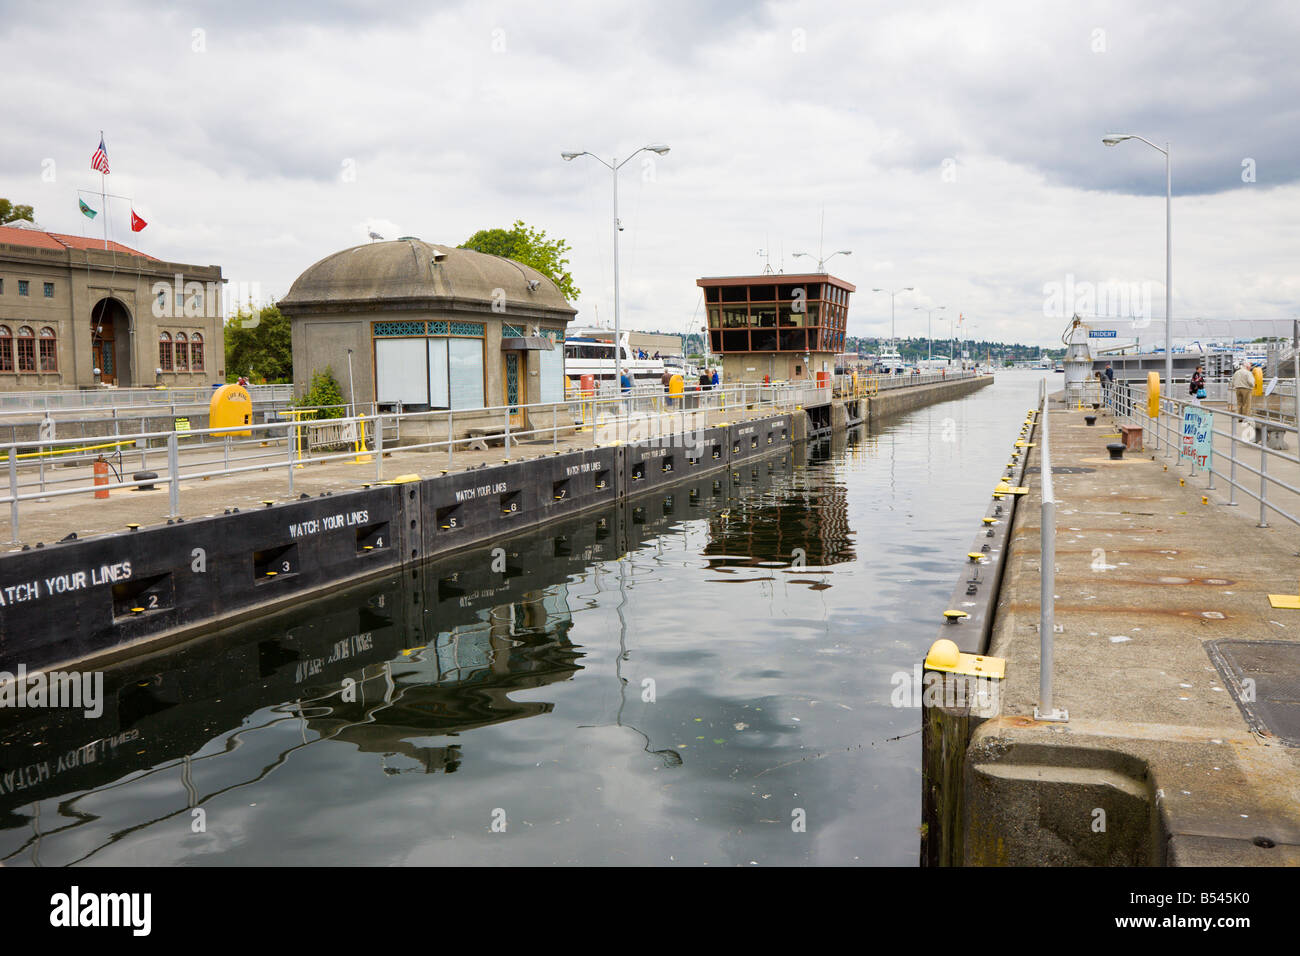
x=714, y=380
x=1243, y=385
x=667, y=380
x=1197, y=384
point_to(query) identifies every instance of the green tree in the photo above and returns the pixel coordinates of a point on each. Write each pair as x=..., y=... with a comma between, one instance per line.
x=324, y=391
x=258, y=345
x=531, y=247
x=11, y=213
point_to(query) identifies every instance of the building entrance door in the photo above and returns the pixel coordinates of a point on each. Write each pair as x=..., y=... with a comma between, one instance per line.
x=514, y=383
x=104, y=349
x=110, y=327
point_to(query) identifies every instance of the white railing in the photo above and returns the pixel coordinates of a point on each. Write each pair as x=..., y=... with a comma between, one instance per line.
x=638, y=415
x=1247, y=436
x=645, y=413
x=105, y=398
x=1046, y=710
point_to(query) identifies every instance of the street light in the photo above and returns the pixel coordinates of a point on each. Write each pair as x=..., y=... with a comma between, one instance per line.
x=893, y=338
x=1114, y=139
x=929, y=336
x=614, y=167
x=821, y=263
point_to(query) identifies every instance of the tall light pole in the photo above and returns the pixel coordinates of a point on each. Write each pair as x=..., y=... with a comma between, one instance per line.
x=1114, y=139
x=614, y=167
x=821, y=263
x=929, y=328
x=893, y=293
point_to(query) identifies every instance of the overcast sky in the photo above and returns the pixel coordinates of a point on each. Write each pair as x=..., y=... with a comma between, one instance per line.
x=954, y=147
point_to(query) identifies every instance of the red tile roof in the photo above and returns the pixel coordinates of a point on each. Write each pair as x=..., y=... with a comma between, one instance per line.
x=61, y=241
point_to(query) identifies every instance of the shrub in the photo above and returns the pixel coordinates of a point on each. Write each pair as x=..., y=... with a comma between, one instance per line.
x=324, y=390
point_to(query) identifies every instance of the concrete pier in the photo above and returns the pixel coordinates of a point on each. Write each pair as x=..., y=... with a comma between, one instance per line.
x=1158, y=764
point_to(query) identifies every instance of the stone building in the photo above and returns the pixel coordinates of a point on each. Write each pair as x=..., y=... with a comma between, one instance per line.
x=74, y=314
x=429, y=326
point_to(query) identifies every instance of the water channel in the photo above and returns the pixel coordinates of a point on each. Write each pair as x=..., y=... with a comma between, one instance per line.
x=702, y=676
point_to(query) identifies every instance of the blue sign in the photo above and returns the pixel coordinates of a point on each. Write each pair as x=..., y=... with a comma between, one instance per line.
x=1198, y=436
x=1101, y=333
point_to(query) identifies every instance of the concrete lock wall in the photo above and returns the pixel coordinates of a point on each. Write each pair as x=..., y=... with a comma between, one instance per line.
x=949, y=719
x=895, y=401
x=161, y=706
x=109, y=596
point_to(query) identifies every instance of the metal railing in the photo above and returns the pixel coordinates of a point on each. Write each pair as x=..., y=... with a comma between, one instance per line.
x=643, y=414
x=1047, y=569
x=1247, y=436
x=923, y=378
x=84, y=398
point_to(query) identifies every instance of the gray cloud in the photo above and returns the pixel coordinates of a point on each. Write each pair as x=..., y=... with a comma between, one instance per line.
x=953, y=147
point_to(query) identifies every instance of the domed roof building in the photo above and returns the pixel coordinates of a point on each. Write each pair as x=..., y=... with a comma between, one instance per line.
x=429, y=326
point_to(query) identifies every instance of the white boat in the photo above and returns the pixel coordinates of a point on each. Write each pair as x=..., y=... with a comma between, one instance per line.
x=890, y=361
x=591, y=352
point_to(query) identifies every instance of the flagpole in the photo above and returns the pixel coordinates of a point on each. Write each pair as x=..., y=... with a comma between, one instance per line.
x=103, y=197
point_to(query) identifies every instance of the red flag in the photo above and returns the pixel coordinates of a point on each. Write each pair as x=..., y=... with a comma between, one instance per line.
x=136, y=222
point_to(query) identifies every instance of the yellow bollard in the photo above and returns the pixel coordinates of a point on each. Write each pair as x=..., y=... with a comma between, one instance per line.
x=360, y=444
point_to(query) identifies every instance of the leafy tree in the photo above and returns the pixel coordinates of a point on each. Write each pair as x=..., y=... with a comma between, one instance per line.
x=258, y=345
x=11, y=213
x=531, y=247
x=324, y=391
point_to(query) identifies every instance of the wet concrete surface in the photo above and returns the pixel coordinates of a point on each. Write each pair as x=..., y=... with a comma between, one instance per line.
x=1146, y=575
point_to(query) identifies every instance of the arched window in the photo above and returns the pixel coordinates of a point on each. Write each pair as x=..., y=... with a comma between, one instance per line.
x=6, y=349
x=49, y=348
x=26, y=349
x=165, y=351
x=182, y=353
x=196, y=351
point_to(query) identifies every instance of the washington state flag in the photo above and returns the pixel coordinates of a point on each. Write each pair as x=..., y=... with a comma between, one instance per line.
x=86, y=210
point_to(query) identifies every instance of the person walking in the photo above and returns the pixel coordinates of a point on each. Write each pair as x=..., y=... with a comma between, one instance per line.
x=1243, y=385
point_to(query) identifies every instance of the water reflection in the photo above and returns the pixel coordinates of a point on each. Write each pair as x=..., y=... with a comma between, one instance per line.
x=695, y=666
x=397, y=668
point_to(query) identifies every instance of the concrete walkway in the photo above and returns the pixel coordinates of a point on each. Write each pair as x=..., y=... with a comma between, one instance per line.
x=1146, y=575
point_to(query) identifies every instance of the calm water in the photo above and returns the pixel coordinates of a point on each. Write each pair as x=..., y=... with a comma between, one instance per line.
x=680, y=681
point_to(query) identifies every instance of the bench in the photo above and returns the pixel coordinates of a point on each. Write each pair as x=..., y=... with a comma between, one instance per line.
x=482, y=437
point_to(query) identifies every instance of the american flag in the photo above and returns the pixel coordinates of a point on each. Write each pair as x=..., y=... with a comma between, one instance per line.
x=100, y=160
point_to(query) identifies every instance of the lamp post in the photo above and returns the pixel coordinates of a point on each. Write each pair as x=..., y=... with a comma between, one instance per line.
x=821, y=263
x=352, y=396
x=614, y=167
x=1114, y=139
x=892, y=293
x=929, y=328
